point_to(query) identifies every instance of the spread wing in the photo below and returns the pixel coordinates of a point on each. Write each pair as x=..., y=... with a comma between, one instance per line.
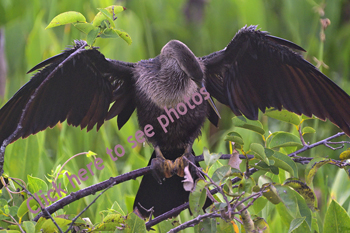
x=258, y=71
x=78, y=85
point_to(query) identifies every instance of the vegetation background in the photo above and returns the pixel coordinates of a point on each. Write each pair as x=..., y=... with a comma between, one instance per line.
x=205, y=26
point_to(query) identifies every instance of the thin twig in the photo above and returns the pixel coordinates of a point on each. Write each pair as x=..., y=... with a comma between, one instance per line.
x=322, y=142
x=16, y=223
x=194, y=221
x=184, y=206
x=211, y=180
x=58, y=173
x=87, y=207
x=254, y=196
x=42, y=208
x=215, y=214
x=301, y=137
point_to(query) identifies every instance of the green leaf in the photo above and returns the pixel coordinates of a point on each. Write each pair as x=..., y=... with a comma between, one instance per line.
x=263, y=179
x=308, y=118
x=236, y=138
x=336, y=219
x=117, y=208
x=283, y=139
x=197, y=198
x=271, y=194
x=304, y=190
x=3, y=202
x=13, y=210
x=92, y=35
x=23, y=209
x=220, y=173
x=167, y=225
x=107, y=15
x=109, y=33
x=269, y=152
x=246, y=185
x=84, y=27
x=289, y=199
x=259, y=205
x=308, y=130
x=295, y=224
x=223, y=172
x=259, y=152
x=110, y=223
x=313, y=166
x=48, y=226
x=226, y=227
x=210, y=159
x=35, y=184
x=66, y=18
x=304, y=211
x=285, y=116
x=263, y=166
x=244, y=123
x=345, y=154
x=285, y=162
x=207, y=225
x=125, y=36
x=39, y=224
x=29, y=226
x=133, y=223
x=117, y=9
x=261, y=225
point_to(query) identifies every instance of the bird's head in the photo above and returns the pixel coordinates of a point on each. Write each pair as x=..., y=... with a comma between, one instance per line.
x=177, y=51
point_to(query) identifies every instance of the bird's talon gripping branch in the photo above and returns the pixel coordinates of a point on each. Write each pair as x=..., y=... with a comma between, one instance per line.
x=179, y=166
x=161, y=167
x=180, y=163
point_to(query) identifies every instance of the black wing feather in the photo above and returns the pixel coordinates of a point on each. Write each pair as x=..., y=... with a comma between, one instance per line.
x=258, y=71
x=78, y=85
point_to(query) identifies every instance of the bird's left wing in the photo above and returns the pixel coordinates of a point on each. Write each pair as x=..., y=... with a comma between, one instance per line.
x=258, y=71
x=78, y=85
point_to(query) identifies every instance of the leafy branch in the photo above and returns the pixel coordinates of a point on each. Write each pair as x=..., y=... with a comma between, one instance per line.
x=102, y=25
x=132, y=175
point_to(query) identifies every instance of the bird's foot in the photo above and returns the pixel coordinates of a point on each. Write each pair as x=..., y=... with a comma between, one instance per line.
x=181, y=162
x=161, y=167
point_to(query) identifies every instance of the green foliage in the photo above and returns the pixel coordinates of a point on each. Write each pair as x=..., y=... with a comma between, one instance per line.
x=336, y=220
x=102, y=25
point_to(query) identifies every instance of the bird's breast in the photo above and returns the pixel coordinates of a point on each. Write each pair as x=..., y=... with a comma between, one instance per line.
x=172, y=105
x=165, y=87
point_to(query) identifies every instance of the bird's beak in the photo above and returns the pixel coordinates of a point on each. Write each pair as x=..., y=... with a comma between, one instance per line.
x=210, y=100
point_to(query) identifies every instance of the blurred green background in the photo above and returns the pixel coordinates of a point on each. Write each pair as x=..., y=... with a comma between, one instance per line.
x=205, y=26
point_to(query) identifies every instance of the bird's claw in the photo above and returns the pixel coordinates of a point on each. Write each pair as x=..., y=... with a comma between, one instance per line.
x=161, y=168
x=180, y=163
x=164, y=168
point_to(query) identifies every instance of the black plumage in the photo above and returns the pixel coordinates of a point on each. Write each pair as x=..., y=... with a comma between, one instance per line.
x=255, y=71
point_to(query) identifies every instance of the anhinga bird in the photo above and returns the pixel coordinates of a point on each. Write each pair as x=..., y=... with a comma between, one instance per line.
x=255, y=71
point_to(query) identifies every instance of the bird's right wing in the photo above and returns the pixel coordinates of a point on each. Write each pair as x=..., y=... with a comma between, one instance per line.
x=258, y=71
x=78, y=85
